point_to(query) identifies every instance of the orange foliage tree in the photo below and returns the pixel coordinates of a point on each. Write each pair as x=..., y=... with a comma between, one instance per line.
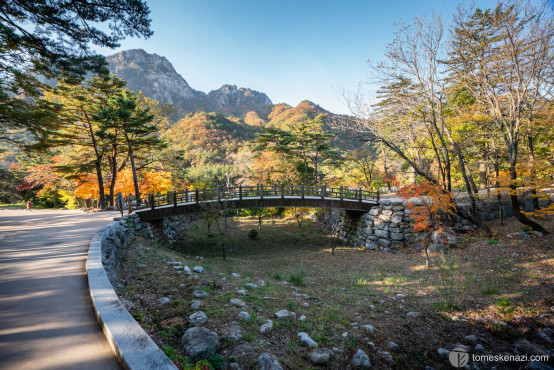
x=427, y=201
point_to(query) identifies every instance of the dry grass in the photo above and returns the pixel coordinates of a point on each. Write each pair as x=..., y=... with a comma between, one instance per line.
x=462, y=293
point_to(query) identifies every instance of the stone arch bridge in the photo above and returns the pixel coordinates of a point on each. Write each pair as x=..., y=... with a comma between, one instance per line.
x=174, y=203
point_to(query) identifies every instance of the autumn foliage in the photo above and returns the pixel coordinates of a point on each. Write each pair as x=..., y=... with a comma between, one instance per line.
x=426, y=201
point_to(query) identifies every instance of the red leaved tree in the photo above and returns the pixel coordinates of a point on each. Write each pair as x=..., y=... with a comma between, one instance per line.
x=427, y=201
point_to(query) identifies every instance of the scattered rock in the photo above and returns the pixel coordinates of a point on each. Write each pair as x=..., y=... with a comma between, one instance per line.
x=198, y=269
x=436, y=248
x=251, y=286
x=442, y=352
x=283, y=314
x=446, y=236
x=200, y=343
x=547, y=335
x=266, y=327
x=519, y=235
x=530, y=348
x=321, y=356
x=163, y=301
x=237, y=302
x=242, y=292
x=472, y=339
x=195, y=304
x=361, y=360
x=479, y=348
x=305, y=339
x=200, y=294
x=235, y=275
x=302, y=318
x=537, y=365
x=344, y=335
x=386, y=356
x=244, y=316
x=187, y=270
x=232, y=333
x=393, y=346
x=198, y=318
x=412, y=315
x=267, y=361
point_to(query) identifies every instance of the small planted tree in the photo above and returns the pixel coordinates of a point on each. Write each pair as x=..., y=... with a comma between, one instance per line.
x=427, y=201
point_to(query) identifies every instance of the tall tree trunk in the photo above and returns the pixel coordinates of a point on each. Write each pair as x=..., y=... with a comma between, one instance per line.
x=98, y=161
x=513, y=195
x=534, y=196
x=497, y=184
x=134, y=169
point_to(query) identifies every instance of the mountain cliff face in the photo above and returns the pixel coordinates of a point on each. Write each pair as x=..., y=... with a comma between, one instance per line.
x=156, y=78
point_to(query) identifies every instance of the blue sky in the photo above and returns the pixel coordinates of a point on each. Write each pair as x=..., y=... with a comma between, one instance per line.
x=291, y=50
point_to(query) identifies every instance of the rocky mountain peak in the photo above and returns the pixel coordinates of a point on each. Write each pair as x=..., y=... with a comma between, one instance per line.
x=155, y=76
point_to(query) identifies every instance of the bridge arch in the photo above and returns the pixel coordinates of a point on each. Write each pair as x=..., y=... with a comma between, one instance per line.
x=243, y=197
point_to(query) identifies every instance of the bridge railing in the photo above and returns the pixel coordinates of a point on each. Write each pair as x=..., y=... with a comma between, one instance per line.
x=259, y=191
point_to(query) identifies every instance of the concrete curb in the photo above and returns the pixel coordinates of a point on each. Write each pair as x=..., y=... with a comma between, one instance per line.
x=130, y=343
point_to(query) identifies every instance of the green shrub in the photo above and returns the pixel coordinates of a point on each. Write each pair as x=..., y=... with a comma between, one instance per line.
x=253, y=234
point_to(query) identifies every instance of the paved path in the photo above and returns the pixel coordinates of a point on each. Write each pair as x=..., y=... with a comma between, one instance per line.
x=46, y=316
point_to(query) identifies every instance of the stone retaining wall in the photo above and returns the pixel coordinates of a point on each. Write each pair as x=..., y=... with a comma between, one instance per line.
x=118, y=233
x=384, y=226
x=388, y=225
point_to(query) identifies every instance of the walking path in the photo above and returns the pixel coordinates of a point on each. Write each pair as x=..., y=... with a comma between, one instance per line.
x=46, y=316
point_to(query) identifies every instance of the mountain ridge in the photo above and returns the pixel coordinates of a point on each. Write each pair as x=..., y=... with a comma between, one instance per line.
x=156, y=77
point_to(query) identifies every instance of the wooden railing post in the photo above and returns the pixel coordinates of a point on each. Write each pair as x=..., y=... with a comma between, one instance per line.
x=240, y=192
x=378, y=195
x=261, y=191
x=187, y=195
x=322, y=191
x=218, y=191
x=152, y=203
x=196, y=195
x=302, y=191
x=174, y=198
x=282, y=191
x=341, y=193
x=359, y=195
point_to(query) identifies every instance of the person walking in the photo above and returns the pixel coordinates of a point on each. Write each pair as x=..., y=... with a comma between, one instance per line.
x=29, y=205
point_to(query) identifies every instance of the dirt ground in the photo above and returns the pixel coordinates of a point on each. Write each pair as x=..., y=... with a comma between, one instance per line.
x=498, y=289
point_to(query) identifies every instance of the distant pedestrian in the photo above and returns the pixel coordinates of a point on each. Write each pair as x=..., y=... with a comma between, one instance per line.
x=29, y=205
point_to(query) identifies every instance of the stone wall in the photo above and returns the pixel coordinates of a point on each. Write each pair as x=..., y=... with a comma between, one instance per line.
x=386, y=226
x=124, y=228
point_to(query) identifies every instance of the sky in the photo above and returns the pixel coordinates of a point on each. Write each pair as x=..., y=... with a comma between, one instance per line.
x=291, y=50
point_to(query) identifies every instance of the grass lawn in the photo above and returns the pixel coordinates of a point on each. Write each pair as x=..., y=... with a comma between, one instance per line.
x=496, y=289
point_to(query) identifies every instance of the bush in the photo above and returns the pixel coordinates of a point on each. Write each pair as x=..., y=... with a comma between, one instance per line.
x=253, y=234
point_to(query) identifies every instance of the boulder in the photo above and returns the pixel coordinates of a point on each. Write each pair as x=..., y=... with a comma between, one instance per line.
x=163, y=301
x=437, y=248
x=306, y=340
x=200, y=294
x=266, y=327
x=195, y=304
x=532, y=349
x=200, y=343
x=198, y=269
x=244, y=316
x=321, y=356
x=446, y=236
x=267, y=361
x=361, y=360
x=283, y=314
x=238, y=302
x=198, y=318
x=412, y=315
x=370, y=329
